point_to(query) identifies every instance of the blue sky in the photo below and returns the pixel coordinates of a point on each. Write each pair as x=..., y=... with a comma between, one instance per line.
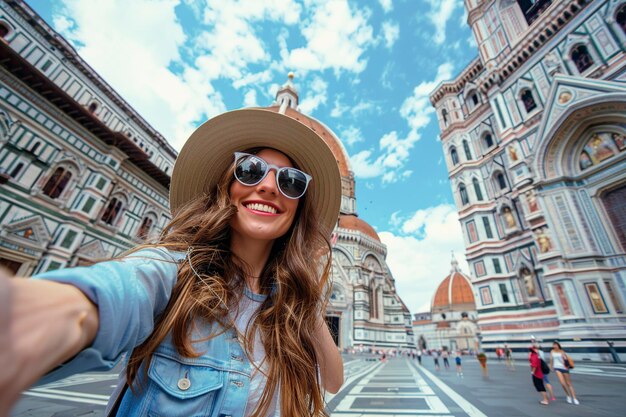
x=363, y=68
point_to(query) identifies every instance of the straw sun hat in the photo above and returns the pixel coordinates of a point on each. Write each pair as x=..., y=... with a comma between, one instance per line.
x=209, y=152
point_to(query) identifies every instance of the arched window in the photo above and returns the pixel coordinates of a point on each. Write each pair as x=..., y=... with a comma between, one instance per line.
x=488, y=139
x=454, y=156
x=528, y=100
x=474, y=99
x=93, y=107
x=501, y=180
x=580, y=56
x=463, y=193
x=4, y=30
x=15, y=171
x=111, y=212
x=57, y=182
x=468, y=154
x=145, y=227
x=444, y=116
x=620, y=17
x=479, y=194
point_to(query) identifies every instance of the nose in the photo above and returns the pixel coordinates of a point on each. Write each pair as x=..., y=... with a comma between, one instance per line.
x=268, y=185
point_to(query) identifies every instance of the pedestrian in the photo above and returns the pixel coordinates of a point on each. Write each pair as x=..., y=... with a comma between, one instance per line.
x=482, y=360
x=444, y=356
x=224, y=313
x=419, y=356
x=499, y=353
x=537, y=375
x=561, y=362
x=436, y=359
x=508, y=358
x=459, y=368
x=545, y=369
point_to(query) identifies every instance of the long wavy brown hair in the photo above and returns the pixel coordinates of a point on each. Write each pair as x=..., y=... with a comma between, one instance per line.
x=294, y=281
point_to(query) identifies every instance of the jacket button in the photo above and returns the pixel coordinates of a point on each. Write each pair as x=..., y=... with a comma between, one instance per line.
x=184, y=384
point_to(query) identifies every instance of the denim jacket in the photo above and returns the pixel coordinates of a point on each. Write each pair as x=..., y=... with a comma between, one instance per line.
x=130, y=294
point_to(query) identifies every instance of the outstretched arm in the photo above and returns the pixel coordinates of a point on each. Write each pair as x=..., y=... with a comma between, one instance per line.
x=331, y=364
x=42, y=324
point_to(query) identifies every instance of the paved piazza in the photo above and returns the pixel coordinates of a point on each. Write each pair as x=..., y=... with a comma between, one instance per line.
x=398, y=387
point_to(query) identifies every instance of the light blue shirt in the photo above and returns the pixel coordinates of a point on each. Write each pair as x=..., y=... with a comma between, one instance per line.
x=131, y=294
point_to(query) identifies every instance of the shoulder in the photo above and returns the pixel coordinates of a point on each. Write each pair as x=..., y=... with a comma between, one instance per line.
x=158, y=253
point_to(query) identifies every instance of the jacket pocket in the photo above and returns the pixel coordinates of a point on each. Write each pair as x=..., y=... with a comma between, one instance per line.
x=180, y=387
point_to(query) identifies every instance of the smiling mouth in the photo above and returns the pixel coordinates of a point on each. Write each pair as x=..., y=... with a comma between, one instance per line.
x=263, y=208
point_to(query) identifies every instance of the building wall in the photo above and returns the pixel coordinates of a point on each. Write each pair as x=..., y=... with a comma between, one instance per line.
x=542, y=238
x=364, y=295
x=42, y=229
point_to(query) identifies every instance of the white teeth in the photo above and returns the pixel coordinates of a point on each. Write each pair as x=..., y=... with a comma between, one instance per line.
x=262, y=207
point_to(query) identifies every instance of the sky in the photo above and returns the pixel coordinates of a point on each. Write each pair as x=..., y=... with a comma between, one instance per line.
x=363, y=68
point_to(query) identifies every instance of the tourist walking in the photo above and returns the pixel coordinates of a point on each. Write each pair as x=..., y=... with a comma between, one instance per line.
x=459, y=368
x=436, y=359
x=537, y=375
x=444, y=356
x=223, y=314
x=508, y=358
x=545, y=368
x=482, y=360
x=562, y=363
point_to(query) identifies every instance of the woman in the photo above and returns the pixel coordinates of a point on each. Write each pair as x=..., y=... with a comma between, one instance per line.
x=223, y=315
x=559, y=363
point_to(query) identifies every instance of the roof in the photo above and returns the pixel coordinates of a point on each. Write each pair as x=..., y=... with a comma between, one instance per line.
x=455, y=289
x=352, y=222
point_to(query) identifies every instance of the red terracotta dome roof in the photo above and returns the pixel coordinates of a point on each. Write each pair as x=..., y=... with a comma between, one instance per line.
x=454, y=290
x=352, y=222
x=325, y=133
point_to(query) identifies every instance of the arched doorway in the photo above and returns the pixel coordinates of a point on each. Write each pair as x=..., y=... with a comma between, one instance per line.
x=615, y=204
x=333, y=325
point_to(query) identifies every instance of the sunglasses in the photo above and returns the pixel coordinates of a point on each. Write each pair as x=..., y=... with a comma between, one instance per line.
x=252, y=169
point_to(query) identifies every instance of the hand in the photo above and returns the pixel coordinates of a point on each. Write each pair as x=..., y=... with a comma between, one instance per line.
x=42, y=324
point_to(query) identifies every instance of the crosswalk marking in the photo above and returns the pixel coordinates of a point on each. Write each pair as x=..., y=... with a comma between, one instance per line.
x=394, y=388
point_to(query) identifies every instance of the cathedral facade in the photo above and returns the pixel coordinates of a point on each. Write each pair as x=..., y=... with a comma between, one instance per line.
x=533, y=131
x=83, y=177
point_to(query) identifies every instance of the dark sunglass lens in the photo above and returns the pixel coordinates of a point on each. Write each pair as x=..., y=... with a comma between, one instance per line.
x=250, y=169
x=292, y=182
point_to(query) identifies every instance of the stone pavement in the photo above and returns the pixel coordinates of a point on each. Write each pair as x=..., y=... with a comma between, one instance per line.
x=398, y=387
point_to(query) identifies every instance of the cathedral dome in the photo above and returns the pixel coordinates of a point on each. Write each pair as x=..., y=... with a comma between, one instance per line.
x=454, y=291
x=354, y=223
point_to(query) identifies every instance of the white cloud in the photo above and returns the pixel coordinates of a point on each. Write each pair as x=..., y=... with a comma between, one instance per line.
x=351, y=135
x=337, y=35
x=417, y=108
x=394, y=151
x=389, y=164
x=174, y=101
x=440, y=13
x=390, y=33
x=363, y=167
x=249, y=99
x=339, y=108
x=316, y=95
x=420, y=260
x=387, y=5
